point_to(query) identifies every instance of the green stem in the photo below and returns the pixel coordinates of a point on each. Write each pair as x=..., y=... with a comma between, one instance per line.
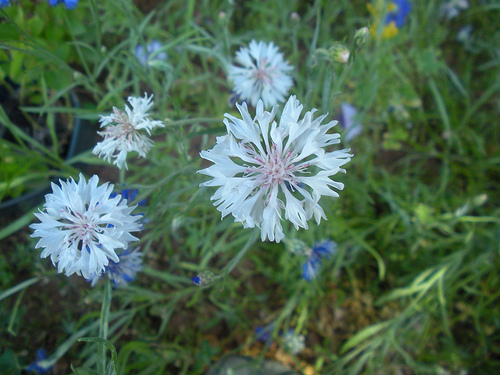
x=97, y=23
x=104, y=324
x=251, y=240
x=122, y=177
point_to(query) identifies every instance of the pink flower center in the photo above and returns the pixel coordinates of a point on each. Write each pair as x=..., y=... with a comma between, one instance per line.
x=83, y=228
x=263, y=72
x=275, y=168
x=123, y=128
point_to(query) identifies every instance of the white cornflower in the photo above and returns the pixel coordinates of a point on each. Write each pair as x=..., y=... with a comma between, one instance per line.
x=124, y=131
x=263, y=74
x=82, y=226
x=263, y=168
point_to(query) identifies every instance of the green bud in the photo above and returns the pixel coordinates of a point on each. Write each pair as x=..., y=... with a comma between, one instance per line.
x=205, y=278
x=339, y=53
x=361, y=36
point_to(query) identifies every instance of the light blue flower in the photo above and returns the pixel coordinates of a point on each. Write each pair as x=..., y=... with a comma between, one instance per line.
x=4, y=3
x=70, y=4
x=347, y=120
x=148, y=53
x=310, y=268
x=123, y=272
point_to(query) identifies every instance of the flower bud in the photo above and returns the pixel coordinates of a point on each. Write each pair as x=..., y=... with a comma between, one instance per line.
x=361, y=36
x=294, y=16
x=339, y=53
x=204, y=278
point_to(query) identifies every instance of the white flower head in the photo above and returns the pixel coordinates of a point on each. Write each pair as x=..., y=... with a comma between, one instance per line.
x=82, y=226
x=263, y=74
x=264, y=169
x=125, y=131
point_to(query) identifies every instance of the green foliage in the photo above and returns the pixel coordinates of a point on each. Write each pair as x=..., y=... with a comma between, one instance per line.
x=35, y=46
x=413, y=284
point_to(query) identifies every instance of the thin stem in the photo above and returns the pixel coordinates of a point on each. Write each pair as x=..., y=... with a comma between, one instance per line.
x=122, y=177
x=98, y=31
x=104, y=324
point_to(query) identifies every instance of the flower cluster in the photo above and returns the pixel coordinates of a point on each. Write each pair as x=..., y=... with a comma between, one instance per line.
x=82, y=226
x=320, y=250
x=124, y=131
x=262, y=74
x=264, y=169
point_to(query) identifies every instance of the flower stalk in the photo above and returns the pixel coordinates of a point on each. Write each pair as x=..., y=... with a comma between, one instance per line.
x=104, y=324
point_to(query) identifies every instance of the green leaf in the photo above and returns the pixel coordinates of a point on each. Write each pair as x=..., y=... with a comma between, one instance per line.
x=107, y=344
x=363, y=335
x=421, y=285
x=19, y=287
x=16, y=225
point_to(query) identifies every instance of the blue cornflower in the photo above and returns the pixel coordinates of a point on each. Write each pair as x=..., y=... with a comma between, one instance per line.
x=4, y=3
x=144, y=54
x=398, y=10
x=310, y=268
x=123, y=272
x=129, y=195
x=70, y=4
x=323, y=249
x=41, y=355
